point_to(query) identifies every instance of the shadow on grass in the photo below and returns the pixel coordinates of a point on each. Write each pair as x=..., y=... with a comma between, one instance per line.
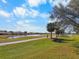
x=76, y=45
x=59, y=40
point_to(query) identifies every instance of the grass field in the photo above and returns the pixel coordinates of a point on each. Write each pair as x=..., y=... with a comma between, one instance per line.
x=43, y=49
x=6, y=39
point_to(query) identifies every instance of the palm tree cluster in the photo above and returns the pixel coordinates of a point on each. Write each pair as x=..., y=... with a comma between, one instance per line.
x=54, y=27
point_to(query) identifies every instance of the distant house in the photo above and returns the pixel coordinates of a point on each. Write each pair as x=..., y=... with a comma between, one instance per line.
x=4, y=32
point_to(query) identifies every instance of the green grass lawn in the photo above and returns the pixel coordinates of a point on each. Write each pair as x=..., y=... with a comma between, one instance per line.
x=43, y=49
x=6, y=39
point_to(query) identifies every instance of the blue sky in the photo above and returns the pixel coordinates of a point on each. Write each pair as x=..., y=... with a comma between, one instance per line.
x=25, y=15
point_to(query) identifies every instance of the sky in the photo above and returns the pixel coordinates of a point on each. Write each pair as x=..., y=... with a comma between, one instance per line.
x=26, y=15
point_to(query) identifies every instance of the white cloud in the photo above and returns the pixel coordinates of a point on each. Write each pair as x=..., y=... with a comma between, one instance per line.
x=4, y=1
x=23, y=25
x=63, y=2
x=4, y=14
x=35, y=3
x=25, y=12
x=44, y=15
x=33, y=13
x=22, y=22
x=19, y=11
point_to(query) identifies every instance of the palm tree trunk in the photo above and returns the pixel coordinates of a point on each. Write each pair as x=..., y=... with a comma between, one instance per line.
x=51, y=35
x=56, y=35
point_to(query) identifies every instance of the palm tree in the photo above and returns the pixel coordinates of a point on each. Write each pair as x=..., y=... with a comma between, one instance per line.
x=50, y=28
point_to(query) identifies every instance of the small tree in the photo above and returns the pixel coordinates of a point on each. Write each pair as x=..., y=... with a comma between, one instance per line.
x=25, y=33
x=50, y=28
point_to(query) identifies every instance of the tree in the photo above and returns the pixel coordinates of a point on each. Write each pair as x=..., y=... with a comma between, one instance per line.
x=67, y=15
x=74, y=5
x=25, y=33
x=54, y=27
x=50, y=28
x=11, y=32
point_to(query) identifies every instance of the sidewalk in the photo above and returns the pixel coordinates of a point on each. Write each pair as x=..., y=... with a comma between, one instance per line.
x=8, y=43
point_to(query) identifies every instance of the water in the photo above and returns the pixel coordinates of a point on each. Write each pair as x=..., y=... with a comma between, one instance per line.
x=22, y=36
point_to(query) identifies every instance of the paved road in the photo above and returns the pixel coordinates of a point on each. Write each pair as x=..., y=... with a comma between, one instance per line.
x=22, y=36
x=8, y=43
